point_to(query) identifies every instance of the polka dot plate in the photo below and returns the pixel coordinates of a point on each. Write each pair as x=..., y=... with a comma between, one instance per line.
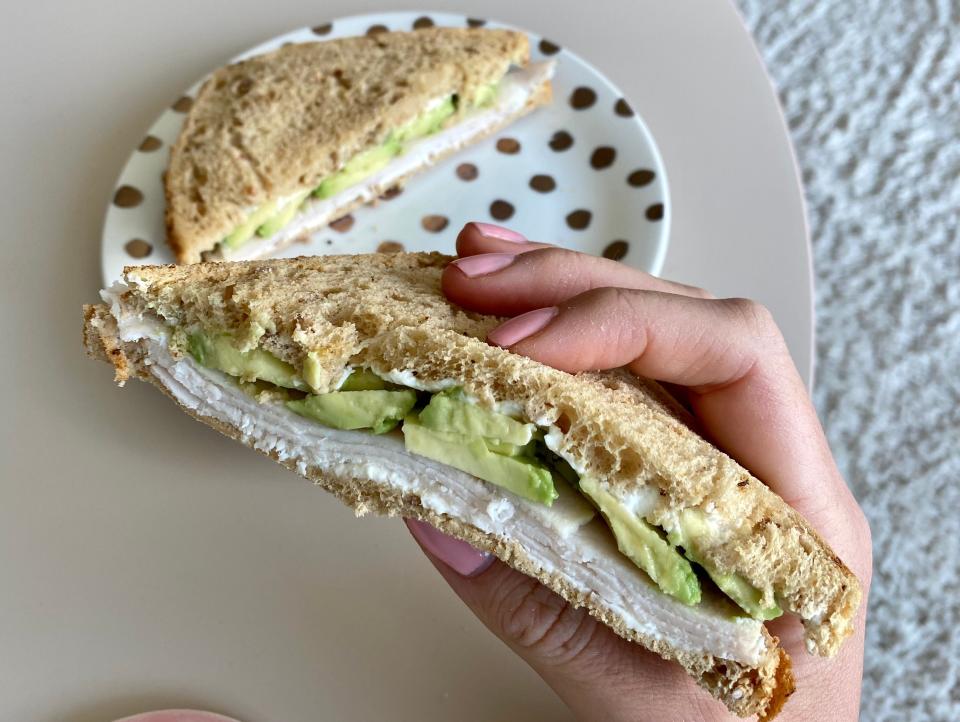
x=582, y=172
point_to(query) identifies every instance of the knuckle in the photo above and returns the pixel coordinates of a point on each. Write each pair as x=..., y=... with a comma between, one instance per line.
x=754, y=315
x=540, y=622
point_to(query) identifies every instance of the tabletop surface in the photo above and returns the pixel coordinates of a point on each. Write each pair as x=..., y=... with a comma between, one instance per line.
x=149, y=562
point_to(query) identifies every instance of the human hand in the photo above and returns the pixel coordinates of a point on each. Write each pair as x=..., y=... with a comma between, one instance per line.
x=728, y=363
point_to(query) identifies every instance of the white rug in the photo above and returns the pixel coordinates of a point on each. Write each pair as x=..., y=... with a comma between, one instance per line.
x=871, y=90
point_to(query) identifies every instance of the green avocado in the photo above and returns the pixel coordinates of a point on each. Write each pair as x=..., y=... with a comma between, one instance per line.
x=642, y=543
x=505, y=448
x=485, y=95
x=358, y=168
x=377, y=410
x=691, y=534
x=449, y=413
x=283, y=217
x=523, y=476
x=365, y=380
x=219, y=352
x=244, y=232
x=426, y=123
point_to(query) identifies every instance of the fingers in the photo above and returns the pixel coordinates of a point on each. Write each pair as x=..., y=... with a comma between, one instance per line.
x=596, y=673
x=476, y=238
x=507, y=277
x=743, y=386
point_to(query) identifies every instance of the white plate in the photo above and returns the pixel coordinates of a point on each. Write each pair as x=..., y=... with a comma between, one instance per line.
x=625, y=199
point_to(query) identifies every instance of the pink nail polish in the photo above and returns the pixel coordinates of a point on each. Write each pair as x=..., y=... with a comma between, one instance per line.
x=481, y=265
x=520, y=327
x=456, y=554
x=489, y=230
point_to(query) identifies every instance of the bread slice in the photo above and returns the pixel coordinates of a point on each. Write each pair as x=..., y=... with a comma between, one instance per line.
x=275, y=125
x=386, y=312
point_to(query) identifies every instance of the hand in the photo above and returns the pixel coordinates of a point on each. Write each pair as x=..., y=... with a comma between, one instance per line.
x=728, y=361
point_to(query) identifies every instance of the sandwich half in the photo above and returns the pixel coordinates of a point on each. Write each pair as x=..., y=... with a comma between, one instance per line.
x=357, y=373
x=283, y=143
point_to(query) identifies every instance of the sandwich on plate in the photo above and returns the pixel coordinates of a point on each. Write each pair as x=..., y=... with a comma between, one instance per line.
x=357, y=373
x=283, y=143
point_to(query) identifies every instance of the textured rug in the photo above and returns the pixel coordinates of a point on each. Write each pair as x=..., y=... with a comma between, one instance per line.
x=871, y=91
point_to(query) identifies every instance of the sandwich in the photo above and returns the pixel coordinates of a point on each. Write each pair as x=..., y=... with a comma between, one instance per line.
x=356, y=373
x=281, y=144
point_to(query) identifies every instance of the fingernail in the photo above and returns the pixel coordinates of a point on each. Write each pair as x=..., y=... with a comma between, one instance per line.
x=489, y=230
x=456, y=554
x=481, y=265
x=519, y=327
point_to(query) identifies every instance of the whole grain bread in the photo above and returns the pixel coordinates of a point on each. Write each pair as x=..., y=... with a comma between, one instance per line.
x=279, y=123
x=746, y=690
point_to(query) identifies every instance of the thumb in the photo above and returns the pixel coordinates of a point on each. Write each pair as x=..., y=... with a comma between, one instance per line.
x=599, y=675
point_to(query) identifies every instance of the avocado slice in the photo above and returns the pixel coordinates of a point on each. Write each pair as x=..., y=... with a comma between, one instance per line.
x=642, y=543
x=244, y=232
x=365, y=380
x=485, y=95
x=523, y=476
x=448, y=412
x=358, y=168
x=426, y=123
x=377, y=410
x=217, y=351
x=693, y=529
x=284, y=216
x=505, y=448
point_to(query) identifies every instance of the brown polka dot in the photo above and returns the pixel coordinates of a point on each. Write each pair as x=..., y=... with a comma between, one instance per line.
x=391, y=193
x=654, y=212
x=603, y=157
x=127, y=197
x=510, y=146
x=582, y=98
x=616, y=250
x=150, y=144
x=622, y=108
x=422, y=22
x=501, y=210
x=342, y=225
x=476, y=22
x=641, y=177
x=322, y=29
x=434, y=223
x=543, y=183
x=138, y=248
x=579, y=219
x=467, y=171
x=390, y=247
x=377, y=29
x=548, y=48
x=561, y=140
x=183, y=105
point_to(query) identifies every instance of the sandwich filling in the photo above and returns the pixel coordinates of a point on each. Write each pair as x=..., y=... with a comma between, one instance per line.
x=445, y=125
x=486, y=467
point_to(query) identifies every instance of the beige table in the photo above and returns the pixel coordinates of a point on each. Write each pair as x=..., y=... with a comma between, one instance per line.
x=147, y=562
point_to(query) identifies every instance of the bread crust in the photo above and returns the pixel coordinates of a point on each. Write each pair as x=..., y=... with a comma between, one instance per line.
x=279, y=123
x=760, y=690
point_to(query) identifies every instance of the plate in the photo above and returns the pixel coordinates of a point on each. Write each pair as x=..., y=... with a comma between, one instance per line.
x=582, y=172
